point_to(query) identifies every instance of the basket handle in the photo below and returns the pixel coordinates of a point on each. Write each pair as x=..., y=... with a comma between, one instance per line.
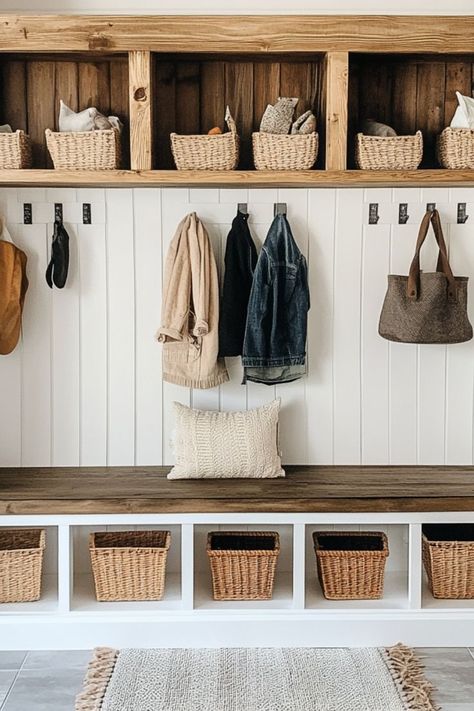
x=230, y=121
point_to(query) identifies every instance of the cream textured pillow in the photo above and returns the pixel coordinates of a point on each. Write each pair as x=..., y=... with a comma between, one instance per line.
x=227, y=445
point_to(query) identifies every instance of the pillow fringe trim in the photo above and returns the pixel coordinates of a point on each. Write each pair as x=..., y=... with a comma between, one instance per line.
x=96, y=680
x=407, y=671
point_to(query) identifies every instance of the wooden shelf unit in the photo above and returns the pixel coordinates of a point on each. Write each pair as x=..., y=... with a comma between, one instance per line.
x=161, y=74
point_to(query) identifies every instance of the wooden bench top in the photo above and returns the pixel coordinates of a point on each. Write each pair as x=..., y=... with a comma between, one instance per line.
x=307, y=489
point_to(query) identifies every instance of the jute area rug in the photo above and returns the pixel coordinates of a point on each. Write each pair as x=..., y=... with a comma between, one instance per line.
x=255, y=680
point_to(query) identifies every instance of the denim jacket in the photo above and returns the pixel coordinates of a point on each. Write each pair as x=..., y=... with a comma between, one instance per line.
x=240, y=262
x=275, y=333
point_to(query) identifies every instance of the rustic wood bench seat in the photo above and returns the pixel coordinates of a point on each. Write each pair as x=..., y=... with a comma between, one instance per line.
x=306, y=489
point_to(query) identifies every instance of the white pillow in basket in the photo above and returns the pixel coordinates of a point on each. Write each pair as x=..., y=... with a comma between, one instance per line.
x=227, y=445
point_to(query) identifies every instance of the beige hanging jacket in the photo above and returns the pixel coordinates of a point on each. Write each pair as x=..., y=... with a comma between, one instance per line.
x=190, y=311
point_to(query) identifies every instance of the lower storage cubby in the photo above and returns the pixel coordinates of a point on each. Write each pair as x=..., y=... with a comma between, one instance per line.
x=395, y=588
x=84, y=594
x=282, y=596
x=448, y=566
x=48, y=600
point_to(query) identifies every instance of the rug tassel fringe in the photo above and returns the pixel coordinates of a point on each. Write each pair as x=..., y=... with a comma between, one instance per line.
x=96, y=680
x=408, y=673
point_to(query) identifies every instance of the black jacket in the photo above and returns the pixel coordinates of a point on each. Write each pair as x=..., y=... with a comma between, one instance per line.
x=240, y=261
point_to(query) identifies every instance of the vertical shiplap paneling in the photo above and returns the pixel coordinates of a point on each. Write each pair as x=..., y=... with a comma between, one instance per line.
x=36, y=403
x=403, y=357
x=347, y=311
x=431, y=374
x=148, y=286
x=121, y=327
x=319, y=382
x=65, y=348
x=174, y=207
x=293, y=438
x=460, y=357
x=86, y=378
x=93, y=332
x=374, y=349
x=403, y=419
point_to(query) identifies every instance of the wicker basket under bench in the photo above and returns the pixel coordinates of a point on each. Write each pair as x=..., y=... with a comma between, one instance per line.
x=351, y=564
x=243, y=564
x=129, y=565
x=448, y=557
x=21, y=564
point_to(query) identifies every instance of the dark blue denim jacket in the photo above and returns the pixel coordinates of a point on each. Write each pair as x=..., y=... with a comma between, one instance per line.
x=275, y=333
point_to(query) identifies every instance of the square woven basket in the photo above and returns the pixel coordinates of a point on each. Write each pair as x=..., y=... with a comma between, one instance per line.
x=21, y=564
x=243, y=564
x=389, y=152
x=129, y=565
x=84, y=150
x=207, y=152
x=455, y=149
x=448, y=557
x=275, y=151
x=15, y=151
x=351, y=564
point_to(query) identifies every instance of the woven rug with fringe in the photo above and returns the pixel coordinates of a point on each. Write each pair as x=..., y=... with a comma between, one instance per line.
x=256, y=680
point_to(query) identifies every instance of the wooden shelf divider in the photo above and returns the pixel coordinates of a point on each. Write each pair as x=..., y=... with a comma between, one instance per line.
x=335, y=103
x=141, y=118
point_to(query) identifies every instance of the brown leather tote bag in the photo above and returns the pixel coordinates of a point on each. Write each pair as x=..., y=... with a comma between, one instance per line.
x=426, y=307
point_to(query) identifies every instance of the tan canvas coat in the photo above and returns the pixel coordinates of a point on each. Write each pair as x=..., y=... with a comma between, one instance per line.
x=190, y=311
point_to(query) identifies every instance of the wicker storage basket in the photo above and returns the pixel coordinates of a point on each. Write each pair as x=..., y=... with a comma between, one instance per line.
x=21, y=563
x=389, y=153
x=129, y=565
x=15, y=150
x=204, y=152
x=448, y=557
x=455, y=149
x=84, y=150
x=275, y=151
x=351, y=565
x=243, y=564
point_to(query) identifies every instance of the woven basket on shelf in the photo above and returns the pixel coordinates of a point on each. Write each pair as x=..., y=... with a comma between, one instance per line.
x=15, y=150
x=84, y=150
x=448, y=557
x=207, y=152
x=129, y=565
x=351, y=565
x=21, y=563
x=243, y=564
x=455, y=149
x=389, y=152
x=275, y=151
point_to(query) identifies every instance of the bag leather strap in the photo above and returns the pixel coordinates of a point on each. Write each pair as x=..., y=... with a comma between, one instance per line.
x=413, y=284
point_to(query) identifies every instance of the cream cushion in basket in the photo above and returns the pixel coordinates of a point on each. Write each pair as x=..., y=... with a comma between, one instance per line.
x=226, y=445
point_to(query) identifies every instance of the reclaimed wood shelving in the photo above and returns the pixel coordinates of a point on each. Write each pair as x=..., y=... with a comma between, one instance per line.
x=161, y=74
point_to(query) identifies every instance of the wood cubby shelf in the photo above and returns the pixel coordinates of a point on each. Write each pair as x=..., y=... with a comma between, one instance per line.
x=165, y=74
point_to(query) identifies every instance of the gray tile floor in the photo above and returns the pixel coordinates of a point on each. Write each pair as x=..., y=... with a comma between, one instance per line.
x=49, y=681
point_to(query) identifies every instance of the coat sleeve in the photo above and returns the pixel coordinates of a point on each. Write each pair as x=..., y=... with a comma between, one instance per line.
x=176, y=288
x=204, y=288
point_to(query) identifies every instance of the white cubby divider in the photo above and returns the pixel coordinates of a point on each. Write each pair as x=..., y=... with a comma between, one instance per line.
x=298, y=614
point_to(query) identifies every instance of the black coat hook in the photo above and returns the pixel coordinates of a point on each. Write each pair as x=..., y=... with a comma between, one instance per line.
x=279, y=208
x=242, y=207
x=403, y=213
x=462, y=217
x=373, y=213
x=58, y=212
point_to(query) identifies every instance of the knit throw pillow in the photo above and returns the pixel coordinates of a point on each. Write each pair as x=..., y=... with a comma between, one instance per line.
x=227, y=445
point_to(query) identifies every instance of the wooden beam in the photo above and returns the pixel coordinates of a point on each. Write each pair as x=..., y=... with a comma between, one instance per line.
x=236, y=34
x=141, y=129
x=335, y=102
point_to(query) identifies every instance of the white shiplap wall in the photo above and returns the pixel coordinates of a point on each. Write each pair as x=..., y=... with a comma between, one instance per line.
x=84, y=387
